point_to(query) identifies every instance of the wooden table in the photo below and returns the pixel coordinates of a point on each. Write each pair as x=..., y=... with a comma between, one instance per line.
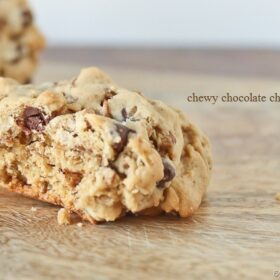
x=236, y=232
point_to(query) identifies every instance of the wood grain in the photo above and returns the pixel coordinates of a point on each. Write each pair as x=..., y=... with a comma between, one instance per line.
x=234, y=235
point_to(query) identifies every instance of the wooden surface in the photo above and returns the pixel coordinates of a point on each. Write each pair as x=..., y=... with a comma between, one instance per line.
x=234, y=235
x=245, y=62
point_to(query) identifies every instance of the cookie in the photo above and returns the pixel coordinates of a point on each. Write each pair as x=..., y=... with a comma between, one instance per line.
x=100, y=150
x=20, y=41
x=63, y=217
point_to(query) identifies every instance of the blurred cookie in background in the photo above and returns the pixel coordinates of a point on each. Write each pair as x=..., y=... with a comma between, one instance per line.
x=20, y=41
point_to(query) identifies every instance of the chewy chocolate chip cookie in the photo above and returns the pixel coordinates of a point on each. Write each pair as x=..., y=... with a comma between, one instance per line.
x=20, y=41
x=100, y=150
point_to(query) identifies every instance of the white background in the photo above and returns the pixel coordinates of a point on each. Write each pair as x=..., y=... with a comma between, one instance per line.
x=176, y=23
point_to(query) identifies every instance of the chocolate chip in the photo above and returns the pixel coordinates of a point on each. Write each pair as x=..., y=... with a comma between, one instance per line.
x=28, y=81
x=114, y=167
x=169, y=174
x=123, y=132
x=108, y=95
x=105, y=104
x=27, y=18
x=34, y=119
x=124, y=113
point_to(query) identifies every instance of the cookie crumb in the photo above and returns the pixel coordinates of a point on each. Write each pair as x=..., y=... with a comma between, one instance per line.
x=63, y=217
x=80, y=225
x=33, y=209
x=277, y=196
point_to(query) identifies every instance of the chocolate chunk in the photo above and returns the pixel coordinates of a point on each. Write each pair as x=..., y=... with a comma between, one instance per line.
x=105, y=104
x=34, y=119
x=169, y=174
x=113, y=167
x=123, y=132
x=124, y=114
x=108, y=95
x=27, y=18
x=28, y=81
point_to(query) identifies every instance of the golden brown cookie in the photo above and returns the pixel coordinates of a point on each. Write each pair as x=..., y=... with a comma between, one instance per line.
x=20, y=41
x=100, y=150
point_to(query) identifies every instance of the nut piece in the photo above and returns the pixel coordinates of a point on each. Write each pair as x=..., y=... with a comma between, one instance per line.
x=63, y=217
